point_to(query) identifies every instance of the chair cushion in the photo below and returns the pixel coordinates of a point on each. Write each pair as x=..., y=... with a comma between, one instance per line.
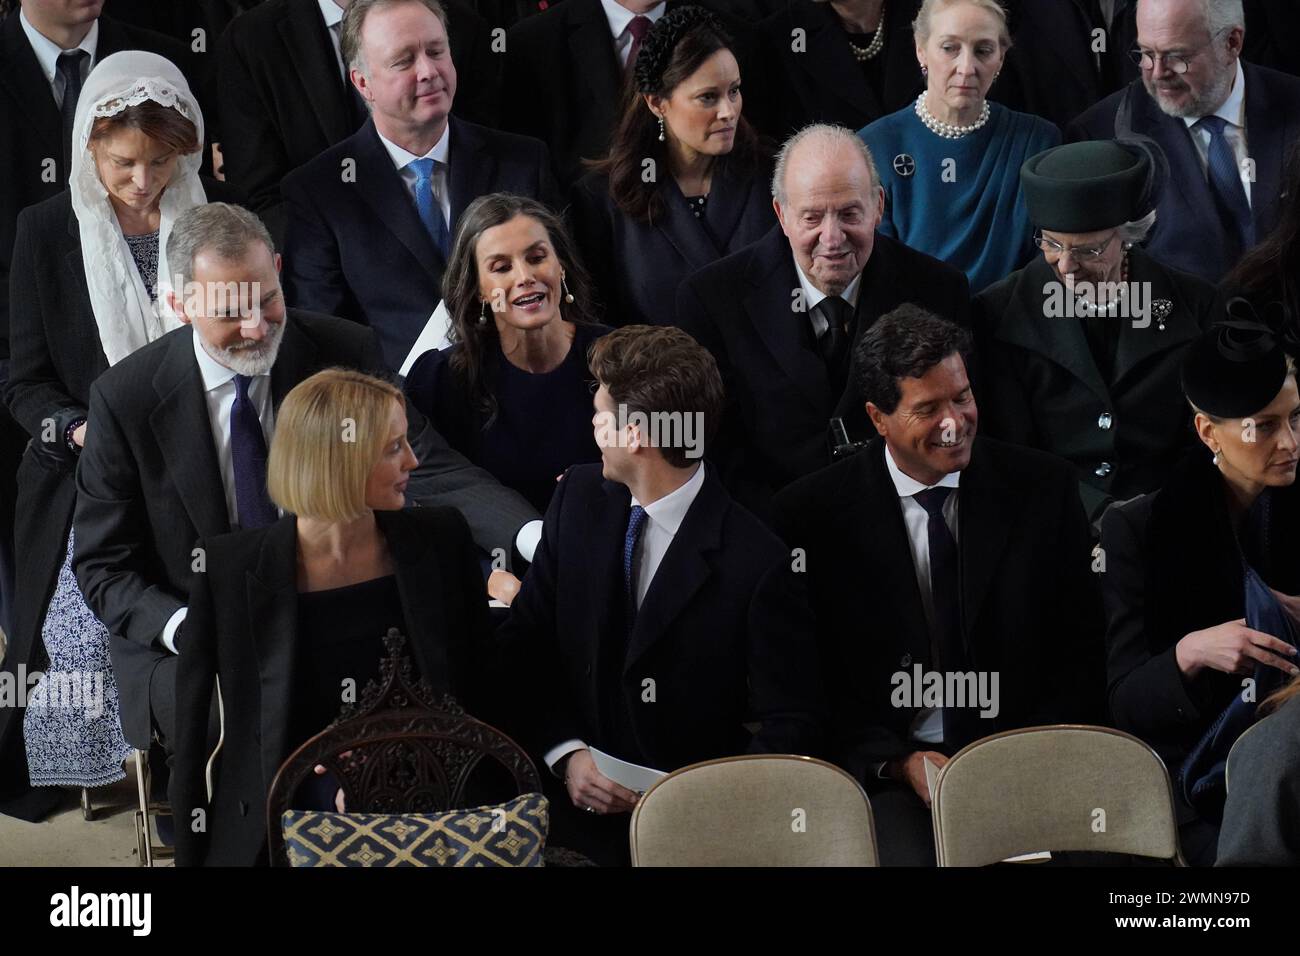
x=506, y=834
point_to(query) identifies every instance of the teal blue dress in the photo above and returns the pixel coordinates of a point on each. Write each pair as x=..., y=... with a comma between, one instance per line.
x=959, y=200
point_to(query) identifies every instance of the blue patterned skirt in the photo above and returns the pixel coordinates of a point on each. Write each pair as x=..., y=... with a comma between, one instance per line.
x=72, y=726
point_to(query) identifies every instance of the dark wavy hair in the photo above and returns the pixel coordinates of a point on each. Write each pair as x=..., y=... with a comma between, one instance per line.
x=904, y=343
x=1271, y=270
x=476, y=359
x=636, y=137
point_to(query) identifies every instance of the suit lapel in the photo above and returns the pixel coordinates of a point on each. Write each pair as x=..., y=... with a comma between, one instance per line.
x=311, y=51
x=728, y=199
x=986, y=512
x=21, y=75
x=383, y=190
x=772, y=283
x=184, y=434
x=84, y=317
x=683, y=571
x=419, y=582
x=591, y=50
x=272, y=593
x=1136, y=345
x=1267, y=139
x=473, y=168
x=686, y=233
x=608, y=521
x=295, y=361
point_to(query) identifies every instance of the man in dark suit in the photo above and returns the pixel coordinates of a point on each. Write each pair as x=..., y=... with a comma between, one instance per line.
x=659, y=615
x=951, y=579
x=285, y=96
x=177, y=451
x=44, y=47
x=780, y=316
x=371, y=220
x=1225, y=127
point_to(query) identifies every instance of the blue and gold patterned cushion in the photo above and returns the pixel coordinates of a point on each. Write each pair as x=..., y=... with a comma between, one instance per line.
x=507, y=834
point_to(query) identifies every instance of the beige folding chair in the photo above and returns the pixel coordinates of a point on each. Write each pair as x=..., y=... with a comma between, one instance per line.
x=759, y=810
x=1061, y=788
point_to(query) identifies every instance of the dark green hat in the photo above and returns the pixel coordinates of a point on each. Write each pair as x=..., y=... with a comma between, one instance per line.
x=1087, y=187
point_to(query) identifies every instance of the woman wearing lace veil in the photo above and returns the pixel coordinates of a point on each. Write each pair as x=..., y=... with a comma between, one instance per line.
x=83, y=295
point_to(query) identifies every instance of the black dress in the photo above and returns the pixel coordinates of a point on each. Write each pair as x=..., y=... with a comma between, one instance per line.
x=542, y=424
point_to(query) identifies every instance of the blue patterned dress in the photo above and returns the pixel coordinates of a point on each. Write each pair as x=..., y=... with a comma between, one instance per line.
x=72, y=726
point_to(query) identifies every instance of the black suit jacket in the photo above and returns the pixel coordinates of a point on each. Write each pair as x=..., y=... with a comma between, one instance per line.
x=1188, y=233
x=779, y=395
x=722, y=637
x=638, y=266
x=1041, y=386
x=242, y=629
x=355, y=245
x=149, y=486
x=1029, y=602
x=283, y=101
x=822, y=82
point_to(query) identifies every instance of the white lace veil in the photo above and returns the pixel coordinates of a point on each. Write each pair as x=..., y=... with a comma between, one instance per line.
x=126, y=317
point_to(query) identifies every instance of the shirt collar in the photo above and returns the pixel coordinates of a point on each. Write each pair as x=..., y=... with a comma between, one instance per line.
x=620, y=16
x=812, y=296
x=47, y=51
x=331, y=12
x=907, y=486
x=403, y=157
x=1234, y=107
x=670, y=510
x=214, y=373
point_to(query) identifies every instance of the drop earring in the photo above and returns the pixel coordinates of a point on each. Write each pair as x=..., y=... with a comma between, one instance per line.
x=925, y=71
x=661, y=129
x=482, y=312
x=568, y=296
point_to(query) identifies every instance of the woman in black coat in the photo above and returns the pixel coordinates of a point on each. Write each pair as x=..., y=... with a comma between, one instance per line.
x=83, y=294
x=289, y=617
x=685, y=182
x=1175, y=561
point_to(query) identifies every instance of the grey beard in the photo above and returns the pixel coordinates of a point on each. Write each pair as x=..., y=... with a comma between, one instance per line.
x=248, y=361
x=1203, y=105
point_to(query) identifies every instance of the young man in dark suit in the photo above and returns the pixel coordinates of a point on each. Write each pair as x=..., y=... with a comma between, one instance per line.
x=285, y=95
x=780, y=316
x=1224, y=125
x=659, y=617
x=934, y=555
x=371, y=220
x=177, y=449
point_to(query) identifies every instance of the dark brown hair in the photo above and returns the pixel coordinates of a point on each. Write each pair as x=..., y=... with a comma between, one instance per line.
x=660, y=369
x=904, y=343
x=475, y=360
x=163, y=124
x=636, y=138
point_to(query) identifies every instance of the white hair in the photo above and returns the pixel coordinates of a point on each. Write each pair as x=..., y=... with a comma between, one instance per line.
x=830, y=139
x=1221, y=15
x=1137, y=230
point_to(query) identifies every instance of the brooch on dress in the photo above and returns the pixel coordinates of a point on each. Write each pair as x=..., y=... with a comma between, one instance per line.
x=1161, y=309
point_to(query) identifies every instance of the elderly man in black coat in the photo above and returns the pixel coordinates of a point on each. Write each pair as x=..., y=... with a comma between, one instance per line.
x=951, y=578
x=780, y=316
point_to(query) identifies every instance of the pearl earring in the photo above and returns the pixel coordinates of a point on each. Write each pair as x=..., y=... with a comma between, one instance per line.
x=925, y=70
x=661, y=129
x=482, y=312
x=568, y=296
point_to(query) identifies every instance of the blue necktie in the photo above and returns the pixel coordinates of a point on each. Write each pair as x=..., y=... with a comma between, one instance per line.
x=1225, y=179
x=248, y=456
x=426, y=203
x=635, y=525
x=945, y=594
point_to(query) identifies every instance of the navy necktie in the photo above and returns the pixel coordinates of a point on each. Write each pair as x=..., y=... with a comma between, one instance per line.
x=635, y=525
x=69, y=67
x=945, y=595
x=426, y=203
x=248, y=456
x=1225, y=180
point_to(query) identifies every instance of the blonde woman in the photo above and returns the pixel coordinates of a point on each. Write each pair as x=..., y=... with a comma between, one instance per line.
x=288, y=614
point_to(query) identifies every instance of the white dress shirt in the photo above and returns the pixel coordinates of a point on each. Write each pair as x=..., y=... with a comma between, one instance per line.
x=402, y=158
x=812, y=297
x=333, y=16
x=1234, y=111
x=663, y=518
x=47, y=54
x=619, y=18
x=219, y=395
x=927, y=726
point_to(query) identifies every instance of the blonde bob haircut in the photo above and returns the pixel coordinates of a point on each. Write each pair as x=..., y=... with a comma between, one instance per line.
x=921, y=25
x=330, y=432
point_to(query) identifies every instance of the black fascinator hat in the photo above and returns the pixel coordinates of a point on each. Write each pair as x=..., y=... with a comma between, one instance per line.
x=1238, y=366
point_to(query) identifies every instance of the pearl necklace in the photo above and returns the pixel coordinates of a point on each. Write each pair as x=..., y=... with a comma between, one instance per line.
x=872, y=50
x=1092, y=310
x=947, y=130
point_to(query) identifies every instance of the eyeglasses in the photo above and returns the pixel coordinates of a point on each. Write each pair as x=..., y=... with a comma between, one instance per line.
x=1178, y=63
x=1055, y=250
